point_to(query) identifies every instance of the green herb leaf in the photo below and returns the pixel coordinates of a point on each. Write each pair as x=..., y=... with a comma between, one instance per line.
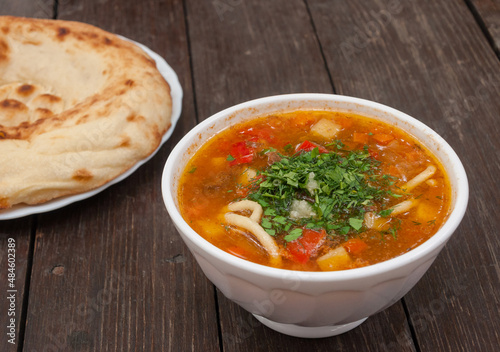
x=356, y=223
x=270, y=232
x=386, y=212
x=265, y=223
x=293, y=235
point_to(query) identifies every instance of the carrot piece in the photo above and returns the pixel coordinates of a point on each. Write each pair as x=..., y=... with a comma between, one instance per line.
x=393, y=170
x=412, y=156
x=355, y=246
x=343, y=121
x=304, y=120
x=360, y=137
x=383, y=138
x=259, y=134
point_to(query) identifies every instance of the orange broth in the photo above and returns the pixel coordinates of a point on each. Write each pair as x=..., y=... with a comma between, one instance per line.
x=215, y=178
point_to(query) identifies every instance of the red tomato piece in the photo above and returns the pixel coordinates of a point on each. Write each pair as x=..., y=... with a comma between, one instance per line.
x=241, y=153
x=304, y=247
x=307, y=146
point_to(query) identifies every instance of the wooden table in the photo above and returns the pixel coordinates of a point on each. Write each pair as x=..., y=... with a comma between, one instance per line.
x=110, y=273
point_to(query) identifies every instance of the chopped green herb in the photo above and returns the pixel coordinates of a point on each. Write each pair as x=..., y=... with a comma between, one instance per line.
x=193, y=169
x=266, y=223
x=393, y=230
x=267, y=150
x=293, y=235
x=271, y=232
x=356, y=223
x=385, y=213
x=338, y=187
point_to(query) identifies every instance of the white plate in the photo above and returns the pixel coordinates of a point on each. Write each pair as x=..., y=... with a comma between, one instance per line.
x=170, y=76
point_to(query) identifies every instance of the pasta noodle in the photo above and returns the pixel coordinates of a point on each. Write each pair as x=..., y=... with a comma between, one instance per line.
x=402, y=207
x=421, y=177
x=248, y=205
x=251, y=224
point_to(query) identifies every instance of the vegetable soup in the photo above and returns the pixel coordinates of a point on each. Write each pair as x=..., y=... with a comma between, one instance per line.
x=314, y=191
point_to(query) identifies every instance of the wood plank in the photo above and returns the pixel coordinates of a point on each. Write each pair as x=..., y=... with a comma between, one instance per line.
x=386, y=331
x=111, y=273
x=431, y=60
x=19, y=230
x=488, y=15
x=246, y=50
x=27, y=8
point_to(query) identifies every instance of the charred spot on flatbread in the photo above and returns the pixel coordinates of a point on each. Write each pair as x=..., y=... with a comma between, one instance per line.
x=82, y=175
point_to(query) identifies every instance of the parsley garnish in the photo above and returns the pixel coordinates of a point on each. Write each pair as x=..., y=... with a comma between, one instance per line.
x=339, y=186
x=293, y=235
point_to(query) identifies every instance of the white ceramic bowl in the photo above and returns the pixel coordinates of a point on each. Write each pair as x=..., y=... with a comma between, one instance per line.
x=313, y=304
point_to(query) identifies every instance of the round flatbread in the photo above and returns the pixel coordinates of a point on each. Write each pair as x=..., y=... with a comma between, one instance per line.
x=78, y=107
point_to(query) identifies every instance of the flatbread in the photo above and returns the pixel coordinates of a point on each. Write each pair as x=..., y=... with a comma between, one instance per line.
x=78, y=107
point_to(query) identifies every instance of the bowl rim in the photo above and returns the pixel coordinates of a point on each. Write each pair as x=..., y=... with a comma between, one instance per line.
x=438, y=240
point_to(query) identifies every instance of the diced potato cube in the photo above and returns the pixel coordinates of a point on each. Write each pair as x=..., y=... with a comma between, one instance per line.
x=426, y=212
x=336, y=259
x=326, y=128
x=213, y=230
x=218, y=161
x=247, y=176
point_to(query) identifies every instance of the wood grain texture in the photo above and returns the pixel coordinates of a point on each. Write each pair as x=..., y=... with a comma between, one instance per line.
x=430, y=59
x=244, y=50
x=19, y=230
x=386, y=331
x=28, y=8
x=111, y=273
x=254, y=49
x=488, y=15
